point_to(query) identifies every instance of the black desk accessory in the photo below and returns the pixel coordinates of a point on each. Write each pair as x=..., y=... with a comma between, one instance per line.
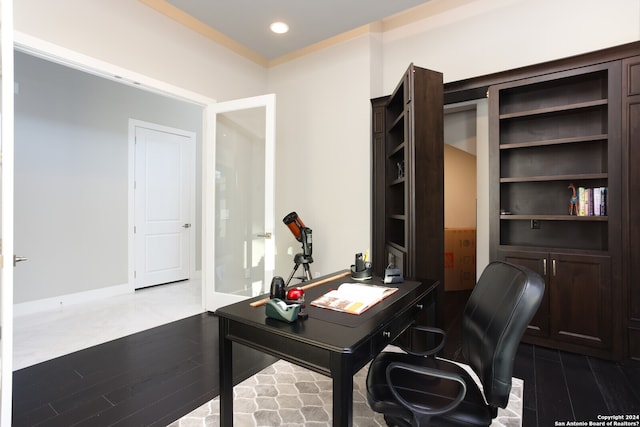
x=393, y=275
x=362, y=269
x=278, y=289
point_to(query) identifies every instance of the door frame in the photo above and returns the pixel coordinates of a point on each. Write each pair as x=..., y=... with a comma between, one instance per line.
x=7, y=247
x=133, y=124
x=211, y=298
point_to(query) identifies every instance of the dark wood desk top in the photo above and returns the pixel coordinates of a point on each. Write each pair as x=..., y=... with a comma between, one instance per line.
x=326, y=342
x=328, y=329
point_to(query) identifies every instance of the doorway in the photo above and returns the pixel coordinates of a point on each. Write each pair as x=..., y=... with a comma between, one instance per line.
x=72, y=192
x=163, y=185
x=462, y=217
x=466, y=129
x=460, y=195
x=72, y=180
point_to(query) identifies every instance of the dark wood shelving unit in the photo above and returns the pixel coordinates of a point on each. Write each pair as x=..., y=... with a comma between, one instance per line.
x=547, y=132
x=408, y=179
x=408, y=223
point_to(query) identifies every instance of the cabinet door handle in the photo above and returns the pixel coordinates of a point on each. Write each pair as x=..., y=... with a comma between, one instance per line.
x=544, y=267
x=553, y=267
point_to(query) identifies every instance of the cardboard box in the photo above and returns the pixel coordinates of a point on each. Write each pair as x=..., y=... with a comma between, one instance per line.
x=459, y=258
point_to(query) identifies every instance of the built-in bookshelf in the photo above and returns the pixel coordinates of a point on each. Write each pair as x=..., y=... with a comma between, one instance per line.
x=552, y=133
x=554, y=142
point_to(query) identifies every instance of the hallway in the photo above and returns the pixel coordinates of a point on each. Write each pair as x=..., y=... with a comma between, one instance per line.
x=44, y=336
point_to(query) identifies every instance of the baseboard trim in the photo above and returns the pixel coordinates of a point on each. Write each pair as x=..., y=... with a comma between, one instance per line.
x=58, y=302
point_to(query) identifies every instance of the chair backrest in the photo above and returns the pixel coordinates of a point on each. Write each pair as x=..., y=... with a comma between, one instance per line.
x=503, y=302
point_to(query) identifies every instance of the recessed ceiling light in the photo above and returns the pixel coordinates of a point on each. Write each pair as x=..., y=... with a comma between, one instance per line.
x=279, y=27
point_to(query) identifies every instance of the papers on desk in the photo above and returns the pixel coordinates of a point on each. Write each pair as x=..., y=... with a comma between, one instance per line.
x=353, y=298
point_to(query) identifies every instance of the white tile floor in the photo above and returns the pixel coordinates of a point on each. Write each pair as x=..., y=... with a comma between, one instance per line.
x=47, y=335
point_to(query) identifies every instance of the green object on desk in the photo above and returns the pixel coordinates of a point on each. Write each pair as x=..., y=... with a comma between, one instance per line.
x=280, y=310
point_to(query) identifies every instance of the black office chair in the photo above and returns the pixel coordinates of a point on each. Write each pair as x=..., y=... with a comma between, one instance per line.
x=418, y=389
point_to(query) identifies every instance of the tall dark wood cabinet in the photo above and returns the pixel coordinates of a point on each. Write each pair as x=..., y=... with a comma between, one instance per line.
x=546, y=133
x=631, y=204
x=408, y=177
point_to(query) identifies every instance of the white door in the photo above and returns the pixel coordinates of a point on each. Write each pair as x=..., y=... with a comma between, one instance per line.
x=163, y=195
x=239, y=209
x=6, y=211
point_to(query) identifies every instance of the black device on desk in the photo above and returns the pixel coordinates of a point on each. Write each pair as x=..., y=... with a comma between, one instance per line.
x=361, y=270
x=393, y=275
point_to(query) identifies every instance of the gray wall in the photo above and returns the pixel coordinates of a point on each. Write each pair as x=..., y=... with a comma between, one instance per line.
x=71, y=174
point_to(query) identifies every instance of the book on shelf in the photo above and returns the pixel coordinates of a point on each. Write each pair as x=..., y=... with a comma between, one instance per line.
x=354, y=298
x=592, y=201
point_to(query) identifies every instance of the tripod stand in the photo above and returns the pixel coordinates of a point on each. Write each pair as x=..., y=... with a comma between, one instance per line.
x=301, y=259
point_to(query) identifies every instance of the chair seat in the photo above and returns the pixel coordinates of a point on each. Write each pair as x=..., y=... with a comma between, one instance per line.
x=431, y=393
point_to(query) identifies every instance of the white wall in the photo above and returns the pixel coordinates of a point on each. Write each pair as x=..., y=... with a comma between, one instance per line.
x=322, y=153
x=131, y=35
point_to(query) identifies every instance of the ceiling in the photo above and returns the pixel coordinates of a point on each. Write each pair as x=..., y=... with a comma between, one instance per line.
x=310, y=21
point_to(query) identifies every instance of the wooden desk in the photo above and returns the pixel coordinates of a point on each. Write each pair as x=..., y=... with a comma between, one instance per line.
x=323, y=342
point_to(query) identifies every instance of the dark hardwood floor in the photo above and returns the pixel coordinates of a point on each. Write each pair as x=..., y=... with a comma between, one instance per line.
x=151, y=378
x=154, y=377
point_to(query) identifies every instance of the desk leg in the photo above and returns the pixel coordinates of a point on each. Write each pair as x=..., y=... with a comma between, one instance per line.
x=226, y=376
x=342, y=374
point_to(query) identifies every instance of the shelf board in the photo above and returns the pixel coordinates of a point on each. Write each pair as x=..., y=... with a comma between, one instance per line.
x=571, y=140
x=571, y=177
x=397, y=120
x=398, y=217
x=397, y=246
x=556, y=109
x=554, y=217
x=399, y=147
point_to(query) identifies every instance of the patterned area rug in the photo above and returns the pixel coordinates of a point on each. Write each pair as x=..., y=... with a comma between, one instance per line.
x=284, y=394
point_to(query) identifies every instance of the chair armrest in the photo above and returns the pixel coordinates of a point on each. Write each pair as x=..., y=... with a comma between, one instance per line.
x=422, y=370
x=432, y=351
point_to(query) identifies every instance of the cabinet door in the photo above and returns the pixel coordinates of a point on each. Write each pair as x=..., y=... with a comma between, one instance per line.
x=580, y=297
x=538, y=262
